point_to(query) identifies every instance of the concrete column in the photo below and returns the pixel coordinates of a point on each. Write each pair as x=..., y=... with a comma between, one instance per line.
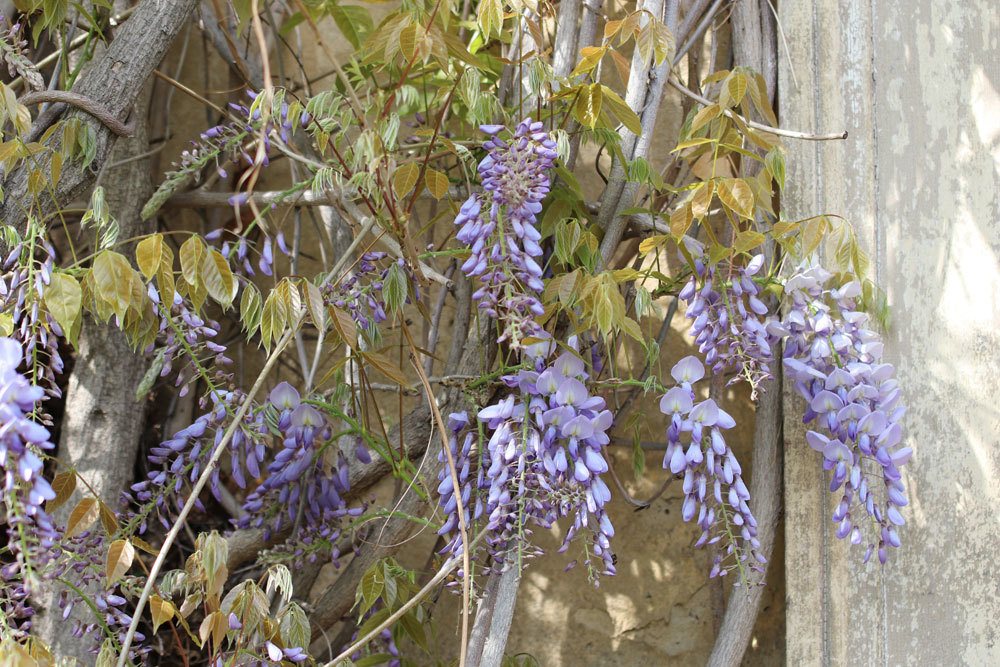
x=917, y=85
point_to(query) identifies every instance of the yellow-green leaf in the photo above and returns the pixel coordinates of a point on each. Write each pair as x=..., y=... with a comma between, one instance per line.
x=651, y=243
x=386, y=367
x=192, y=252
x=748, y=240
x=314, y=304
x=590, y=57
x=345, y=326
x=681, y=220
x=113, y=277
x=489, y=15
x=620, y=110
x=702, y=199
x=84, y=514
x=63, y=486
x=108, y=520
x=64, y=299
x=736, y=195
x=705, y=116
x=405, y=178
x=147, y=255
x=273, y=317
x=437, y=183
x=587, y=110
x=218, y=278
x=162, y=611
x=250, y=308
x=121, y=553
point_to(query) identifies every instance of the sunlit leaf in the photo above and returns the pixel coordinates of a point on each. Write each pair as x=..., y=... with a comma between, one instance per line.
x=83, y=515
x=437, y=183
x=64, y=300
x=63, y=484
x=405, y=178
x=121, y=553
x=161, y=610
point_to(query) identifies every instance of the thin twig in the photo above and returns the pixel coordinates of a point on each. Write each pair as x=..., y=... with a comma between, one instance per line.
x=463, y=529
x=791, y=134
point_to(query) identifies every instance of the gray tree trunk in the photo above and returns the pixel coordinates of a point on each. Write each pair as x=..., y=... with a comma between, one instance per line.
x=103, y=420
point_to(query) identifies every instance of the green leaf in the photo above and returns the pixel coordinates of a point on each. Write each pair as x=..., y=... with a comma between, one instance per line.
x=395, y=288
x=372, y=584
x=414, y=629
x=250, y=308
x=295, y=630
x=355, y=22
x=619, y=109
x=64, y=300
x=774, y=161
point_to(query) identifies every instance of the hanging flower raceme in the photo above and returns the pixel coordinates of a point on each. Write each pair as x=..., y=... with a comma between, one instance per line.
x=544, y=459
x=498, y=225
x=180, y=460
x=853, y=403
x=729, y=318
x=714, y=490
x=305, y=485
x=31, y=532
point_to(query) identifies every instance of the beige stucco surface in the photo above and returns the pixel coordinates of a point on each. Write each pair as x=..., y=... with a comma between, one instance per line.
x=917, y=85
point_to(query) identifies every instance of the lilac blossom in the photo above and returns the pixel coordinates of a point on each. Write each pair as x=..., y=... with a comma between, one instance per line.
x=715, y=494
x=729, y=319
x=499, y=226
x=544, y=459
x=853, y=403
x=31, y=532
x=183, y=332
x=306, y=481
x=179, y=461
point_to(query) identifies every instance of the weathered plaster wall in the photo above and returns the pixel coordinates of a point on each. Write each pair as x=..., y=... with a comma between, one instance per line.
x=917, y=84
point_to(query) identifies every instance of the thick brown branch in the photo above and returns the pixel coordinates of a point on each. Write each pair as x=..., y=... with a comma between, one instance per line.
x=113, y=84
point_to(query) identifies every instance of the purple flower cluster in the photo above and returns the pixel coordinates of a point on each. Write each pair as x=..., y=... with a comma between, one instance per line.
x=713, y=485
x=181, y=459
x=360, y=293
x=854, y=402
x=544, y=459
x=198, y=336
x=22, y=287
x=499, y=225
x=106, y=609
x=305, y=484
x=729, y=318
x=240, y=250
x=31, y=532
